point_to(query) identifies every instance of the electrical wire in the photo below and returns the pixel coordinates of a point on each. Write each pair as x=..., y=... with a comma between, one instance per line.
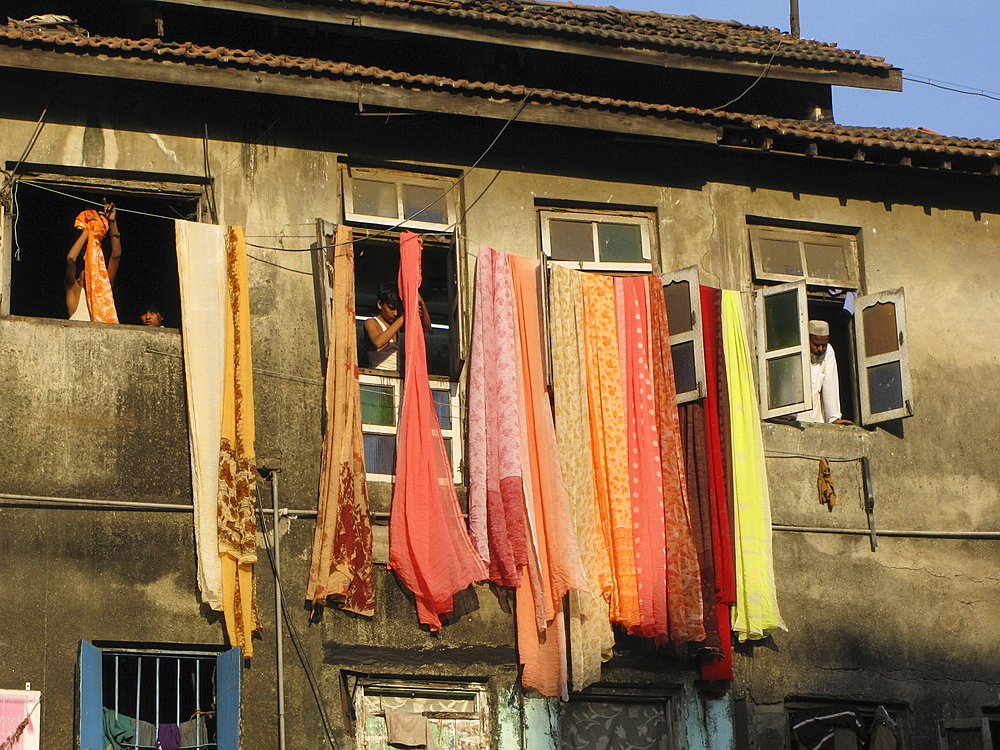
x=948, y=86
x=292, y=632
x=757, y=80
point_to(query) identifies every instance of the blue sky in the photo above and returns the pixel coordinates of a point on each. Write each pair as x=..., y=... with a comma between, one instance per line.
x=950, y=41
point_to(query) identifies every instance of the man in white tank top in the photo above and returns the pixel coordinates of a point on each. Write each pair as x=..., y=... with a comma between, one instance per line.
x=382, y=331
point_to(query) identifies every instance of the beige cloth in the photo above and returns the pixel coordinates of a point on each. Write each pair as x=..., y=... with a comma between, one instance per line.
x=824, y=484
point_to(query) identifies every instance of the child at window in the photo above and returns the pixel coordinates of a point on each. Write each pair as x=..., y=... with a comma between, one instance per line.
x=382, y=330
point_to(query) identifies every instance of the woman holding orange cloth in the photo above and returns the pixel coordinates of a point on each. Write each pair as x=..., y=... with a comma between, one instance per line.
x=88, y=284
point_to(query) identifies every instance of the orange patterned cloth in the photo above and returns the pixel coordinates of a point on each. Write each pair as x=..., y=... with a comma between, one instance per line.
x=609, y=442
x=237, y=467
x=99, y=297
x=341, y=571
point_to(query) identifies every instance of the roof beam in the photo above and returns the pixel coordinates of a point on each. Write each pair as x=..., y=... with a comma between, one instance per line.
x=889, y=79
x=359, y=93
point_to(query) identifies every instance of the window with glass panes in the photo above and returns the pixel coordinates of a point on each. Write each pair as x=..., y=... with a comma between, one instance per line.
x=596, y=240
x=381, y=397
x=406, y=199
x=434, y=715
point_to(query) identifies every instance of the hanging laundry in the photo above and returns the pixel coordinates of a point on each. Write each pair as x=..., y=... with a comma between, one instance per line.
x=814, y=728
x=168, y=737
x=429, y=546
x=718, y=446
x=591, y=636
x=756, y=613
x=609, y=442
x=237, y=466
x=97, y=284
x=201, y=269
x=497, y=520
x=341, y=571
x=119, y=729
x=824, y=484
x=685, y=605
x=541, y=638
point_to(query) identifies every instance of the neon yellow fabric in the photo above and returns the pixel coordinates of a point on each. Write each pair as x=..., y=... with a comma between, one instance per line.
x=756, y=613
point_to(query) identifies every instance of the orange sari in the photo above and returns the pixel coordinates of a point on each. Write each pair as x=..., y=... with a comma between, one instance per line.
x=95, y=274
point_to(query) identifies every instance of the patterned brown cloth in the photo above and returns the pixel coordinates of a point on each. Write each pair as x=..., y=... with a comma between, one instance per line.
x=341, y=571
x=824, y=483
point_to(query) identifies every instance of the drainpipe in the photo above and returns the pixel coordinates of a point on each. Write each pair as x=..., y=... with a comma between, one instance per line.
x=278, y=619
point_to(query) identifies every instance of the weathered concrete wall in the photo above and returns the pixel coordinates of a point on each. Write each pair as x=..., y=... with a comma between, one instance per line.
x=92, y=411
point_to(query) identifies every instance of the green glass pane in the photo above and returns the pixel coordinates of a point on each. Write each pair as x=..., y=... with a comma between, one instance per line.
x=685, y=375
x=678, y=296
x=779, y=256
x=442, y=405
x=425, y=204
x=620, y=243
x=374, y=198
x=571, y=240
x=784, y=381
x=781, y=320
x=885, y=387
x=378, y=405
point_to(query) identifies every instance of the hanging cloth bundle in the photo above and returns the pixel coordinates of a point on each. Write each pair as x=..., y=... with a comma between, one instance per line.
x=95, y=273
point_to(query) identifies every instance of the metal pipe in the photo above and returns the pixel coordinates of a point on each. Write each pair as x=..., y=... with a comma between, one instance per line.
x=57, y=503
x=278, y=624
x=893, y=532
x=793, y=18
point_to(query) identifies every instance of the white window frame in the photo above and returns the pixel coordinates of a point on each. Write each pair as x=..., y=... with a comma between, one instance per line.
x=690, y=275
x=901, y=355
x=442, y=384
x=398, y=178
x=641, y=219
x=848, y=242
x=374, y=687
x=764, y=356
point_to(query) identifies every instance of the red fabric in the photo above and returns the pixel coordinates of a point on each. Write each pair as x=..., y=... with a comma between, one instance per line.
x=716, y=433
x=496, y=487
x=429, y=546
x=645, y=468
x=684, y=596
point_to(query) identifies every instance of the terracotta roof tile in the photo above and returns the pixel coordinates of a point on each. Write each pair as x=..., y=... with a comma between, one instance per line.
x=637, y=29
x=900, y=139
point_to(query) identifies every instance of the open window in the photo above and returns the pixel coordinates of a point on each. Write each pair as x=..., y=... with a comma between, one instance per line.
x=418, y=712
x=145, y=687
x=41, y=231
x=611, y=240
x=851, y=725
x=683, y=294
x=619, y=719
x=867, y=334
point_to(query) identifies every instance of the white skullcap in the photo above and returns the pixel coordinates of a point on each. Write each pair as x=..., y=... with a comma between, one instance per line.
x=819, y=328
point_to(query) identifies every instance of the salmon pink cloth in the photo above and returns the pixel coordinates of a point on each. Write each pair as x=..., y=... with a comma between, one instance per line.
x=95, y=274
x=429, y=546
x=341, y=573
x=496, y=487
x=557, y=565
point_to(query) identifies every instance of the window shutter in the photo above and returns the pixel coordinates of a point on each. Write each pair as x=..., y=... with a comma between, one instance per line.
x=91, y=696
x=883, y=357
x=963, y=734
x=457, y=297
x=682, y=291
x=784, y=376
x=322, y=257
x=228, y=666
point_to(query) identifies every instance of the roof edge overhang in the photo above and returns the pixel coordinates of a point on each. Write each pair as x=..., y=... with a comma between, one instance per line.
x=751, y=65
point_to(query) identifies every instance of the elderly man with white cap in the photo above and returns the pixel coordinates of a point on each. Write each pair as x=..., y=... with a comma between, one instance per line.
x=825, y=380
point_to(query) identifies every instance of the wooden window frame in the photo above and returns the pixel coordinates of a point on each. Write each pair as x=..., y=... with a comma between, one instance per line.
x=398, y=178
x=901, y=355
x=801, y=349
x=691, y=276
x=849, y=242
x=644, y=220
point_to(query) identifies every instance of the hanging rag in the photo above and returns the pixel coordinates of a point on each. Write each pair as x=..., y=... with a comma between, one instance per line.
x=341, y=572
x=201, y=269
x=429, y=545
x=824, y=484
x=237, y=467
x=406, y=726
x=553, y=537
x=168, y=737
x=118, y=729
x=814, y=727
x=591, y=636
x=756, y=613
x=497, y=521
x=100, y=299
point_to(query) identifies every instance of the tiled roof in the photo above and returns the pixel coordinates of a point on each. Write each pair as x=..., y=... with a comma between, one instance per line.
x=906, y=140
x=686, y=34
